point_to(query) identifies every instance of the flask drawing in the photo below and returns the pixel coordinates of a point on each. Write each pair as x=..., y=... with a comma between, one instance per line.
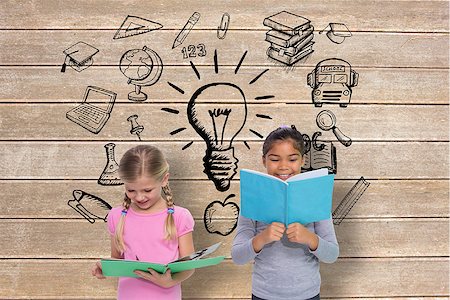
x=110, y=175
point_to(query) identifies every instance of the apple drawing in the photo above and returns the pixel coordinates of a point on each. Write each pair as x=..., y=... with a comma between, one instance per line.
x=221, y=217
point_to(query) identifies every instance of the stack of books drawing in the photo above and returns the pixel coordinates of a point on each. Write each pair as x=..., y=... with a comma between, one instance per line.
x=291, y=37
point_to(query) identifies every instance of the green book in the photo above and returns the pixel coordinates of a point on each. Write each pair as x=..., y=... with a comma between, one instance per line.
x=125, y=268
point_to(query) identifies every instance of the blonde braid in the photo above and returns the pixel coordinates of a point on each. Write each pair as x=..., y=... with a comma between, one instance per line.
x=171, y=231
x=118, y=237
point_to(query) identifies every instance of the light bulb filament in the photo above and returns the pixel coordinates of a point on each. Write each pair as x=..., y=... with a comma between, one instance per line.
x=215, y=114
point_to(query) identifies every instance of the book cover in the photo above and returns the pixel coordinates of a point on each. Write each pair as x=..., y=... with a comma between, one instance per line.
x=287, y=59
x=125, y=268
x=285, y=40
x=291, y=51
x=287, y=22
x=303, y=198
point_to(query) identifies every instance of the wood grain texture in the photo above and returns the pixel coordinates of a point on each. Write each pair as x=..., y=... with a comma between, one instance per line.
x=360, y=122
x=407, y=50
x=47, y=199
x=393, y=243
x=426, y=16
x=380, y=86
x=379, y=160
x=373, y=238
x=346, y=278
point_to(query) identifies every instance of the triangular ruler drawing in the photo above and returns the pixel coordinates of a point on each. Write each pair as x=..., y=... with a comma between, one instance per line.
x=133, y=25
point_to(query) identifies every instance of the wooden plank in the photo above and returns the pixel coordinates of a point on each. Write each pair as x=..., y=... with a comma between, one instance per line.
x=383, y=199
x=83, y=160
x=407, y=50
x=357, y=278
x=361, y=238
x=361, y=123
x=358, y=15
x=386, y=86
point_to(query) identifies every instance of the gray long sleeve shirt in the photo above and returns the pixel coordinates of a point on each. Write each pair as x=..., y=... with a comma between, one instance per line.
x=284, y=270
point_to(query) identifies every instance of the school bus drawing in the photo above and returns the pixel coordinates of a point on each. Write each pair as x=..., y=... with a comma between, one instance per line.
x=332, y=81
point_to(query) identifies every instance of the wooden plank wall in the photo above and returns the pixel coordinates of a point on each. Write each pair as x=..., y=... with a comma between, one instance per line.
x=393, y=243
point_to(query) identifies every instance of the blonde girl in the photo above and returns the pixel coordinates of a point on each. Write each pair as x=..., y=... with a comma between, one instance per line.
x=148, y=226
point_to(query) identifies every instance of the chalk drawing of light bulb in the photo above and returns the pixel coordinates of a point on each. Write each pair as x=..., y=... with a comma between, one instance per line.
x=218, y=123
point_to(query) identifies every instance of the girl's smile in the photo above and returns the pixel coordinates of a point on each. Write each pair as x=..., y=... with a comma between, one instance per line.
x=283, y=160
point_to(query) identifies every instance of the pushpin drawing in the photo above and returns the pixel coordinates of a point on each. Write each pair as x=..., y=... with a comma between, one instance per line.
x=336, y=32
x=135, y=127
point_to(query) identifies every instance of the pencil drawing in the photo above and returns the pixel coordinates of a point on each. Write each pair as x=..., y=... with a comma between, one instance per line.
x=186, y=29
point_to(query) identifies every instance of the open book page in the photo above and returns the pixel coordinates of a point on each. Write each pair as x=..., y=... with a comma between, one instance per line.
x=126, y=268
x=310, y=174
x=201, y=253
x=181, y=266
x=324, y=158
x=310, y=200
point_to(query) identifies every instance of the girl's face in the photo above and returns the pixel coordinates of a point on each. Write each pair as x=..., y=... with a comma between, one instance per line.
x=145, y=194
x=283, y=160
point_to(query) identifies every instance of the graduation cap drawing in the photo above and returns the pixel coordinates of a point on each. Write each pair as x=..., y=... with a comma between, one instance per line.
x=337, y=32
x=79, y=56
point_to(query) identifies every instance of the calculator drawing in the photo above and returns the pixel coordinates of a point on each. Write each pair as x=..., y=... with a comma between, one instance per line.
x=93, y=113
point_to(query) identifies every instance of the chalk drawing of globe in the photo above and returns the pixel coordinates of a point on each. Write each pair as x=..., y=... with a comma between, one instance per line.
x=142, y=67
x=136, y=64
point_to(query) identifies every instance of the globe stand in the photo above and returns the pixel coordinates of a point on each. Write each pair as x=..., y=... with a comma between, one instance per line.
x=137, y=95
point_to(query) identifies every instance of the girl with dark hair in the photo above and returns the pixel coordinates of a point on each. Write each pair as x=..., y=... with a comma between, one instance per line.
x=286, y=260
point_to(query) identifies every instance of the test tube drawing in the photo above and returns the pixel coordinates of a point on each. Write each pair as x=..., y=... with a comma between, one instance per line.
x=349, y=200
x=110, y=175
x=89, y=206
x=136, y=128
x=186, y=29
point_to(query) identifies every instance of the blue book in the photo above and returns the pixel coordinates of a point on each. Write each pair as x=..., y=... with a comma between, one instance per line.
x=303, y=198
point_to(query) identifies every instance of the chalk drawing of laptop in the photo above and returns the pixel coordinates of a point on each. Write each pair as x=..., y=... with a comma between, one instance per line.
x=95, y=109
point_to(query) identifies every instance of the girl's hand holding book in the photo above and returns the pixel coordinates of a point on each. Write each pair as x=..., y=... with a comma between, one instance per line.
x=97, y=271
x=163, y=280
x=298, y=233
x=273, y=232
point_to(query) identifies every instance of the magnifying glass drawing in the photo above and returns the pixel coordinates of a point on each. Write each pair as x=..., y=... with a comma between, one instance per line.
x=326, y=120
